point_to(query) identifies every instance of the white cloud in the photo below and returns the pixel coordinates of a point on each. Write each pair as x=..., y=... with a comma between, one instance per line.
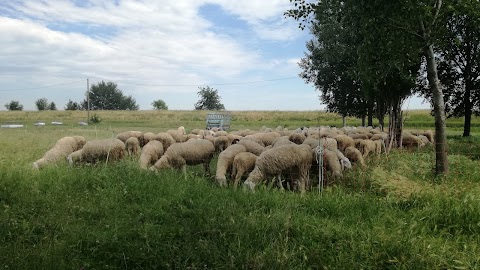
x=149, y=48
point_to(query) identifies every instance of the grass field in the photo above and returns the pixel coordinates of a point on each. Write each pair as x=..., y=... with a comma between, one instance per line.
x=393, y=215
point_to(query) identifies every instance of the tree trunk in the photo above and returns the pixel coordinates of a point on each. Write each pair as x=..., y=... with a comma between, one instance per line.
x=363, y=121
x=370, y=114
x=344, y=121
x=468, y=110
x=441, y=162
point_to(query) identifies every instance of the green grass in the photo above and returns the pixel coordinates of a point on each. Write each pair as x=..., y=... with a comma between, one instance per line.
x=394, y=215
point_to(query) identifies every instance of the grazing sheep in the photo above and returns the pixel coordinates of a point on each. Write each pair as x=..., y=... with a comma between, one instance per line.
x=366, y=146
x=151, y=152
x=100, y=150
x=297, y=138
x=265, y=138
x=327, y=143
x=379, y=144
x=166, y=140
x=179, y=155
x=210, y=138
x=75, y=157
x=233, y=138
x=294, y=158
x=354, y=155
x=344, y=161
x=225, y=160
x=62, y=148
x=358, y=136
x=252, y=146
x=379, y=136
x=281, y=141
x=220, y=143
x=132, y=146
x=408, y=139
x=178, y=135
x=148, y=136
x=220, y=133
x=242, y=163
x=194, y=137
x=127, y=134
x=331, y=162
x=344, y=141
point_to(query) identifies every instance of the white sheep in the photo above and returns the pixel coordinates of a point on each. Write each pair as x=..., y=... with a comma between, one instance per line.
x=166, y=140
x=62, y=148
x=225, y=160
x=100, y=150
x=220, y=143
x=179, y=155
x=123, y=136
x=132, y=146
x=286, y=158
x=252, y=146
x=354, y=155
x=179, y=134
x=151, y=152
x=242, y=163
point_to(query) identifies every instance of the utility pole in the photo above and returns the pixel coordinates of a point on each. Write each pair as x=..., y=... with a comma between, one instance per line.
x=88, y=101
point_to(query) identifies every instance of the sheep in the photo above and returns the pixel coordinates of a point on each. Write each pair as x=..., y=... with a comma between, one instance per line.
x=62, y=148
x=210, y=138
x=99, y=150
x=220, y=133
x=331, y=162
x=366, y=146
x=242, y=163
x=179, y=155
x=123, y=136
x=132, y=146
x=148, y=136
x=297, y=138
x=220, y=143
x=344, y=141
x=354, y=155
x=166, y=140
x=327, y=143
x=408, y=139
x=252, y=146
x=344, y=161
x=379, y=144
x=75, y=157
x=296, y=158
x=265, y=138
x=194, y=137
x=281, y=141
x=358, y=136
x=151, y=152
x=225, y=160
x=178, y=135
x=233, y=138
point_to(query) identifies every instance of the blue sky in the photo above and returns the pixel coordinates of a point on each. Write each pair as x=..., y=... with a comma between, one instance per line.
x=153, y=50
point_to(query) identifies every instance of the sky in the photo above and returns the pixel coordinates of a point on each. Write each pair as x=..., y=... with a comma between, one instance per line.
x=167, y=49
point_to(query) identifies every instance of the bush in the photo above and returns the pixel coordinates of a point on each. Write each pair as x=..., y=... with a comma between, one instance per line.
x=95, y=119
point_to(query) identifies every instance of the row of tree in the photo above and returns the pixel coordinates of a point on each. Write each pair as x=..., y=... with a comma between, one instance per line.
x=107, y=96
x=367, y=57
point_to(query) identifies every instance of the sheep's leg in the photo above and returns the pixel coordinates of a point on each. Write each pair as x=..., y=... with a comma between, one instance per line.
x=238, y=176
x=184, y=170
x=280, y=181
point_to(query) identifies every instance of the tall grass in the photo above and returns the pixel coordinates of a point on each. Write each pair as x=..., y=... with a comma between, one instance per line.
x=393, y=215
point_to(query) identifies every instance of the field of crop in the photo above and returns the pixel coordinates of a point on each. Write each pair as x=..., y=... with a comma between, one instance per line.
x=393, y=215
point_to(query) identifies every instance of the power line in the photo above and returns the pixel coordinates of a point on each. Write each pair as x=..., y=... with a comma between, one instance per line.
x=43, y=86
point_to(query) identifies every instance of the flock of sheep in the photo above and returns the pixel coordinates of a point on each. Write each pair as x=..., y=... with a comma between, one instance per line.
x=262, y=155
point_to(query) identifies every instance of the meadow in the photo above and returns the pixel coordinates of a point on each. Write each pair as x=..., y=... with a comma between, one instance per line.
x=393, y=215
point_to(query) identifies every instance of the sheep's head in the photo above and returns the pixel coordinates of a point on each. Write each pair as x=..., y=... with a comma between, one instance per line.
x=162, y=163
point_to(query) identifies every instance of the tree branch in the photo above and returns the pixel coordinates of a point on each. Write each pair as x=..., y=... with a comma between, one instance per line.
x=406, y=30
x=438, y=6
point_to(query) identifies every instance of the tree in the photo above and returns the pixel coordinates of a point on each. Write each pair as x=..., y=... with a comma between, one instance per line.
x=72, y=106
x=417, y=26
x=41, y=104
x=209, y=99
x=459, y=62
x=159, y=105
x=106, y=96
x=14, y=105
x=52, y=106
